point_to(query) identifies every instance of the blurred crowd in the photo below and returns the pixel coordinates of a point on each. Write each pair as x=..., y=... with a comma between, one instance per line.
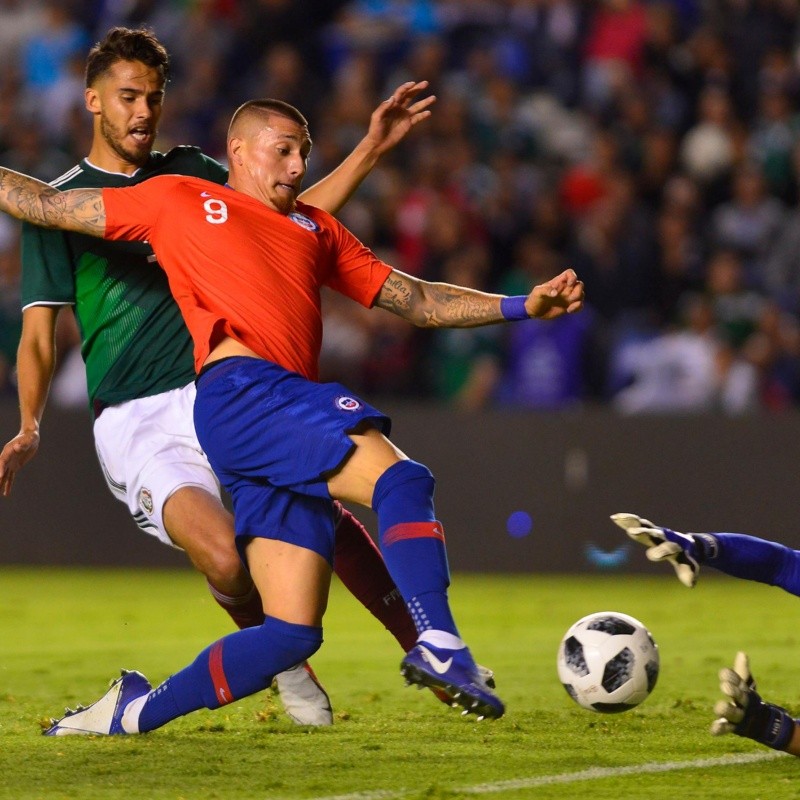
x=652, y=145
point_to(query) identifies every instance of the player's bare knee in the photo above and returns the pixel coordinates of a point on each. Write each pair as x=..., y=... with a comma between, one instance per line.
x=354, y=480
x=220, y=564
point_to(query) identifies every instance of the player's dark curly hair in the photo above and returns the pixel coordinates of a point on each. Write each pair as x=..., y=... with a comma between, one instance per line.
x=126, y=44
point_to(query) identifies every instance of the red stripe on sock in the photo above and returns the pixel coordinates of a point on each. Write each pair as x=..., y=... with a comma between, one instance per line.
x=221, y=688
x=413, y=530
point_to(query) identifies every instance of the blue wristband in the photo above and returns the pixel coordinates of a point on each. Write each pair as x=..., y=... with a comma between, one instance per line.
x=513, y=308
x=766, y=723
x=779, y=728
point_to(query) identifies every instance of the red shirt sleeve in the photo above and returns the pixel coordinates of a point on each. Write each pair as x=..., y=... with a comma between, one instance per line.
x=356, y=271
x=132, y=211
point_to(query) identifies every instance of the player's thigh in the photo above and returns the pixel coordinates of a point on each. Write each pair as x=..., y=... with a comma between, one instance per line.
x=355, y=479
x=196, y=519
x=293, y=581
x=148, y=450
x=256, y=421
x=270, y=512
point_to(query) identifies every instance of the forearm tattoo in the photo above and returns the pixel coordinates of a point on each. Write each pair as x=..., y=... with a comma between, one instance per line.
x=438, y=305
x=36, y=202
x=457, y=307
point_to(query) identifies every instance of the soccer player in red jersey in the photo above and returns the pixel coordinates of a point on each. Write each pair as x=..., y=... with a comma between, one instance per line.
x=246, y=264
x=138, y=352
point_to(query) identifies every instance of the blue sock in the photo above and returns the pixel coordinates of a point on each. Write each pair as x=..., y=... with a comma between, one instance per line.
x=412, y=543
x=752, y=558
x=238, y=665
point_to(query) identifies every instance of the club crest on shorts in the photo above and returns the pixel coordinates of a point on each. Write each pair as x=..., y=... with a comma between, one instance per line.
x=146, y=500
x=303, y=221
x=345, y=403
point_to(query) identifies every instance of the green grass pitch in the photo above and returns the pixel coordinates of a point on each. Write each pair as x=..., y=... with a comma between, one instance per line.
x=65, y=633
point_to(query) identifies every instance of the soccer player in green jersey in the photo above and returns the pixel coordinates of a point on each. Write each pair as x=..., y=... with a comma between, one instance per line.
x=138, y=352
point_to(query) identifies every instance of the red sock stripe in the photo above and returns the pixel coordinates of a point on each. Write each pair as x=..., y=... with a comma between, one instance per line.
x=221, y=688
x=413, y=530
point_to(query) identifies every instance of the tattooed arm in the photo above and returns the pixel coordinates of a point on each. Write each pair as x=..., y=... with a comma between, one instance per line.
x=443, y=305
x=33, y=201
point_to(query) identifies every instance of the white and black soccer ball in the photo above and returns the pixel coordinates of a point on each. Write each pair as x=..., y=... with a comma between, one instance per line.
x=608, y=662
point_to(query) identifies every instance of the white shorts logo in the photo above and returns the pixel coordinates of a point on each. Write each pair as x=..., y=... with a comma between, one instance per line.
x=347, y=403
x=303, y=221
x=146, y=501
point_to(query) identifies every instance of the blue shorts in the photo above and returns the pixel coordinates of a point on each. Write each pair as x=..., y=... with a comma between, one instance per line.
x=272, y=437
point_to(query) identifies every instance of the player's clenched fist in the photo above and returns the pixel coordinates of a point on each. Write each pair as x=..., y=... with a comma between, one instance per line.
x=560, y=295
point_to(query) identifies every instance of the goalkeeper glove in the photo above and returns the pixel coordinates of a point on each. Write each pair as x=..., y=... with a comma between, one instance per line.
x=663, y=544
x=744, y=713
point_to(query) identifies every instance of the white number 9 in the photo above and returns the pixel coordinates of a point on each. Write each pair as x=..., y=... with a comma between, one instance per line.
x=217, y=211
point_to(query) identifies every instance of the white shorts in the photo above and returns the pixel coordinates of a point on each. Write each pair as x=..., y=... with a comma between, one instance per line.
x=148, y=450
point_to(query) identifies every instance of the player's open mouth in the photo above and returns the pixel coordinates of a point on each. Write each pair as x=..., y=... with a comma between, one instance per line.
x=287, y=187
x=141, y=135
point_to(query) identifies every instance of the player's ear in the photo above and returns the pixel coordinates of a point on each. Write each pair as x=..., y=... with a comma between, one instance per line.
x=92, y=99
x=235, y=147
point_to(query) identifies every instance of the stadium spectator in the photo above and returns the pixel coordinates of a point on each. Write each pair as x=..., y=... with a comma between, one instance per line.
x=29, y=151
x=687, y=370
x=614, y=247
x=20, y=21
x=545, y=367
x=737, y=307
x=463, y=363
x=46, y=55
x=708, y=150
x=749, y=222
x=680, y=265
x=781, y=274
x=614, y=52
x=774, y=132
x=773, y=349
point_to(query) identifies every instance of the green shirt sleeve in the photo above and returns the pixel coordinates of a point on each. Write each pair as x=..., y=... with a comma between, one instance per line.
x=47, y=270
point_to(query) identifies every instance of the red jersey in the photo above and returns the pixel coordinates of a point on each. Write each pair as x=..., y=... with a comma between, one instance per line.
x=237, y=268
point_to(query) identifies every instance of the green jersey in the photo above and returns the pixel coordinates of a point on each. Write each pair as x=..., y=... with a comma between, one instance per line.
x=134, y=341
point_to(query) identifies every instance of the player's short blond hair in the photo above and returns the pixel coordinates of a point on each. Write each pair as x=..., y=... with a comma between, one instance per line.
x=266, y=106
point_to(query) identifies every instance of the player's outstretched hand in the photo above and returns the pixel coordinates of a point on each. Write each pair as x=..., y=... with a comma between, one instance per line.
x=739, y=688
x=18, y=452
x=744, y=713
x=663, y=544
x=560, y=295
x=397, y=115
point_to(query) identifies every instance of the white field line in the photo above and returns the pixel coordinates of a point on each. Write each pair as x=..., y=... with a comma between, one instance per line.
x=593, y=774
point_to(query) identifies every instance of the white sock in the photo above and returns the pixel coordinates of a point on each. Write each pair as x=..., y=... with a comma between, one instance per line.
x=442, y=639
x=130, y=716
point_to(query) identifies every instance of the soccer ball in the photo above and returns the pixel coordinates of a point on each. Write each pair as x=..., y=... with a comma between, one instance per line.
x=608, y=662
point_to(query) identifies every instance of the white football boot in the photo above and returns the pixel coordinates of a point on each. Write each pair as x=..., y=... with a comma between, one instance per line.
x=303, y=697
